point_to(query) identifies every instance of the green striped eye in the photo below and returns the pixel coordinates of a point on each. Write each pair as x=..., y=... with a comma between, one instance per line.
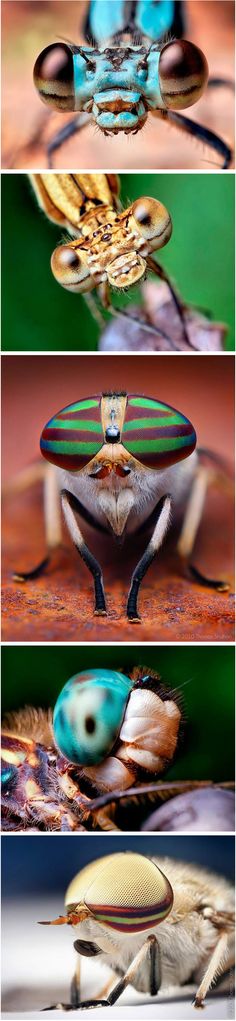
x=74, y=436
x=156, y=434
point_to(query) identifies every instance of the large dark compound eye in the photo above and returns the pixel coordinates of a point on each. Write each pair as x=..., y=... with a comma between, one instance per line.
x=54, y=76
x=183, y=73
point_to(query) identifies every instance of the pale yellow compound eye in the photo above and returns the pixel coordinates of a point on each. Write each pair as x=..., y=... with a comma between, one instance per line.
x=153, y=220
x=69, y=269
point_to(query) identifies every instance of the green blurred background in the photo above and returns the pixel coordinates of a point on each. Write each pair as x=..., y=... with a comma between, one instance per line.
x=35, y=676
x=38, y=315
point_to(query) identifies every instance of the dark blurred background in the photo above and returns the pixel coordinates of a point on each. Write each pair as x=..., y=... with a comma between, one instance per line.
x=38, y=315
x=203, y=676
x=39, y=865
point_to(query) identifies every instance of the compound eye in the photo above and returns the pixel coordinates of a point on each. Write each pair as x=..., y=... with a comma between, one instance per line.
x=183, y=73
x=88, y=715
x=54, y=76
x=69, y=269
x=152, y=219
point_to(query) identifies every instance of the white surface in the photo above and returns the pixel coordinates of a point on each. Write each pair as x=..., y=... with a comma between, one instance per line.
x=37, y=967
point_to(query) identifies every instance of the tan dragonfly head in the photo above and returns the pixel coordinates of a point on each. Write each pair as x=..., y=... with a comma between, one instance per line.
x=114, y=246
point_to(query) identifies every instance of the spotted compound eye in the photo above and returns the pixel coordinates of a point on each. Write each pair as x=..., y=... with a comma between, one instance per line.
x=152, y=219
x=54, y=76
x=183, y=73
x=126, y=892
x=88, y=715
x=70, y=269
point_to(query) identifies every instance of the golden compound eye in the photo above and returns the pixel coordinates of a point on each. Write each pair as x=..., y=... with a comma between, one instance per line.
x=183, y=73
x=68, y=268
x=54, y=75
x=152, y=219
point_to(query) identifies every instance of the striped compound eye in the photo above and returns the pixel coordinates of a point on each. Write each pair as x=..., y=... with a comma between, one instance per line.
x=54, y=76
x=183, y=73
x=153, y=220
x=88, y=715
x=125, y=891
x=69, y=267
x=74, y=436
x=156, y=434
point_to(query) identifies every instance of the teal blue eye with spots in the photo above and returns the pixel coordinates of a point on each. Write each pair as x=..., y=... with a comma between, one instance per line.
x=88, y=715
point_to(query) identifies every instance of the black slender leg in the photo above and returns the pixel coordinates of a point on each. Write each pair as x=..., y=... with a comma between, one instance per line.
x=65, y=133
x=220, y=585
x=160, y=272
x=204, y=134
x=70, y=505
x=216, y=83
x=163, y=508
x=147, y=327
x=35, y=573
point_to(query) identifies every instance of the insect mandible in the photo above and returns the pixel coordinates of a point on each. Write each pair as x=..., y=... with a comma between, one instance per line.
x=124, y=463
x=132, y=66
x=156, y=922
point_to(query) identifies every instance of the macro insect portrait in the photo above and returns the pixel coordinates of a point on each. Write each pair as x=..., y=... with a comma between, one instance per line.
x=143, y=926
x=118, y=71
x=112, y=741
x=123, y=466
x=129, y=257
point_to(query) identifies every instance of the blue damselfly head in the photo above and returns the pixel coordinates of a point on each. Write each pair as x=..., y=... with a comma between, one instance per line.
x=119, y=85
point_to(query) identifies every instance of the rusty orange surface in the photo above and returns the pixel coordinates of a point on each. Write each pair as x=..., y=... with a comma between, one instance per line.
x=59, y=606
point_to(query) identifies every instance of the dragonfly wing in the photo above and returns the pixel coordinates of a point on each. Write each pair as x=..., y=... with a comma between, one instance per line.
x=65, y=198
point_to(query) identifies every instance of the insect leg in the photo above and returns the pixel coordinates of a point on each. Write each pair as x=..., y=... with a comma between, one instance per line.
x=216, y=962
x=75, y=984
x=66, y=132
x=52, y=516
x=191, y=524
x=90, y=561
x=164, y=511
x=216, y=83
x=150, y=954
x=160, y=272
x=204, y=134
x=104, y=293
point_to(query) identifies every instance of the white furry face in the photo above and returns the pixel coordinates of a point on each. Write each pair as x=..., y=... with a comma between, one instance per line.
x=125, y=503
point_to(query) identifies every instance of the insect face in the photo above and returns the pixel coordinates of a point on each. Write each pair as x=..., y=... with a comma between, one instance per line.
x=116, y=251
x=153, y=434
x=119, y=85
x=88, y=715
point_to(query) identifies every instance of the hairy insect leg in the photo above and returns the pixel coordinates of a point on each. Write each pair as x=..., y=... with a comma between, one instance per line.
x=75, y=984
x=216, y=83
x=160, y=272
x=90, y=561
x=163, y=511
x=190, y=528
x=216, y=962
x=52, y=518
x=66, y=132
x=104, y=293
x=203, y=134
x=149, y=954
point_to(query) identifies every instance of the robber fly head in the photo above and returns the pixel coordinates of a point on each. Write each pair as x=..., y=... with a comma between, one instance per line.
x=117, y=250
x=120, y=84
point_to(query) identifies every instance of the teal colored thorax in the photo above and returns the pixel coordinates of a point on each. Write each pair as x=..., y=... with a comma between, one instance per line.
x=108, y=17
x=95, y=90
x=88, y=715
